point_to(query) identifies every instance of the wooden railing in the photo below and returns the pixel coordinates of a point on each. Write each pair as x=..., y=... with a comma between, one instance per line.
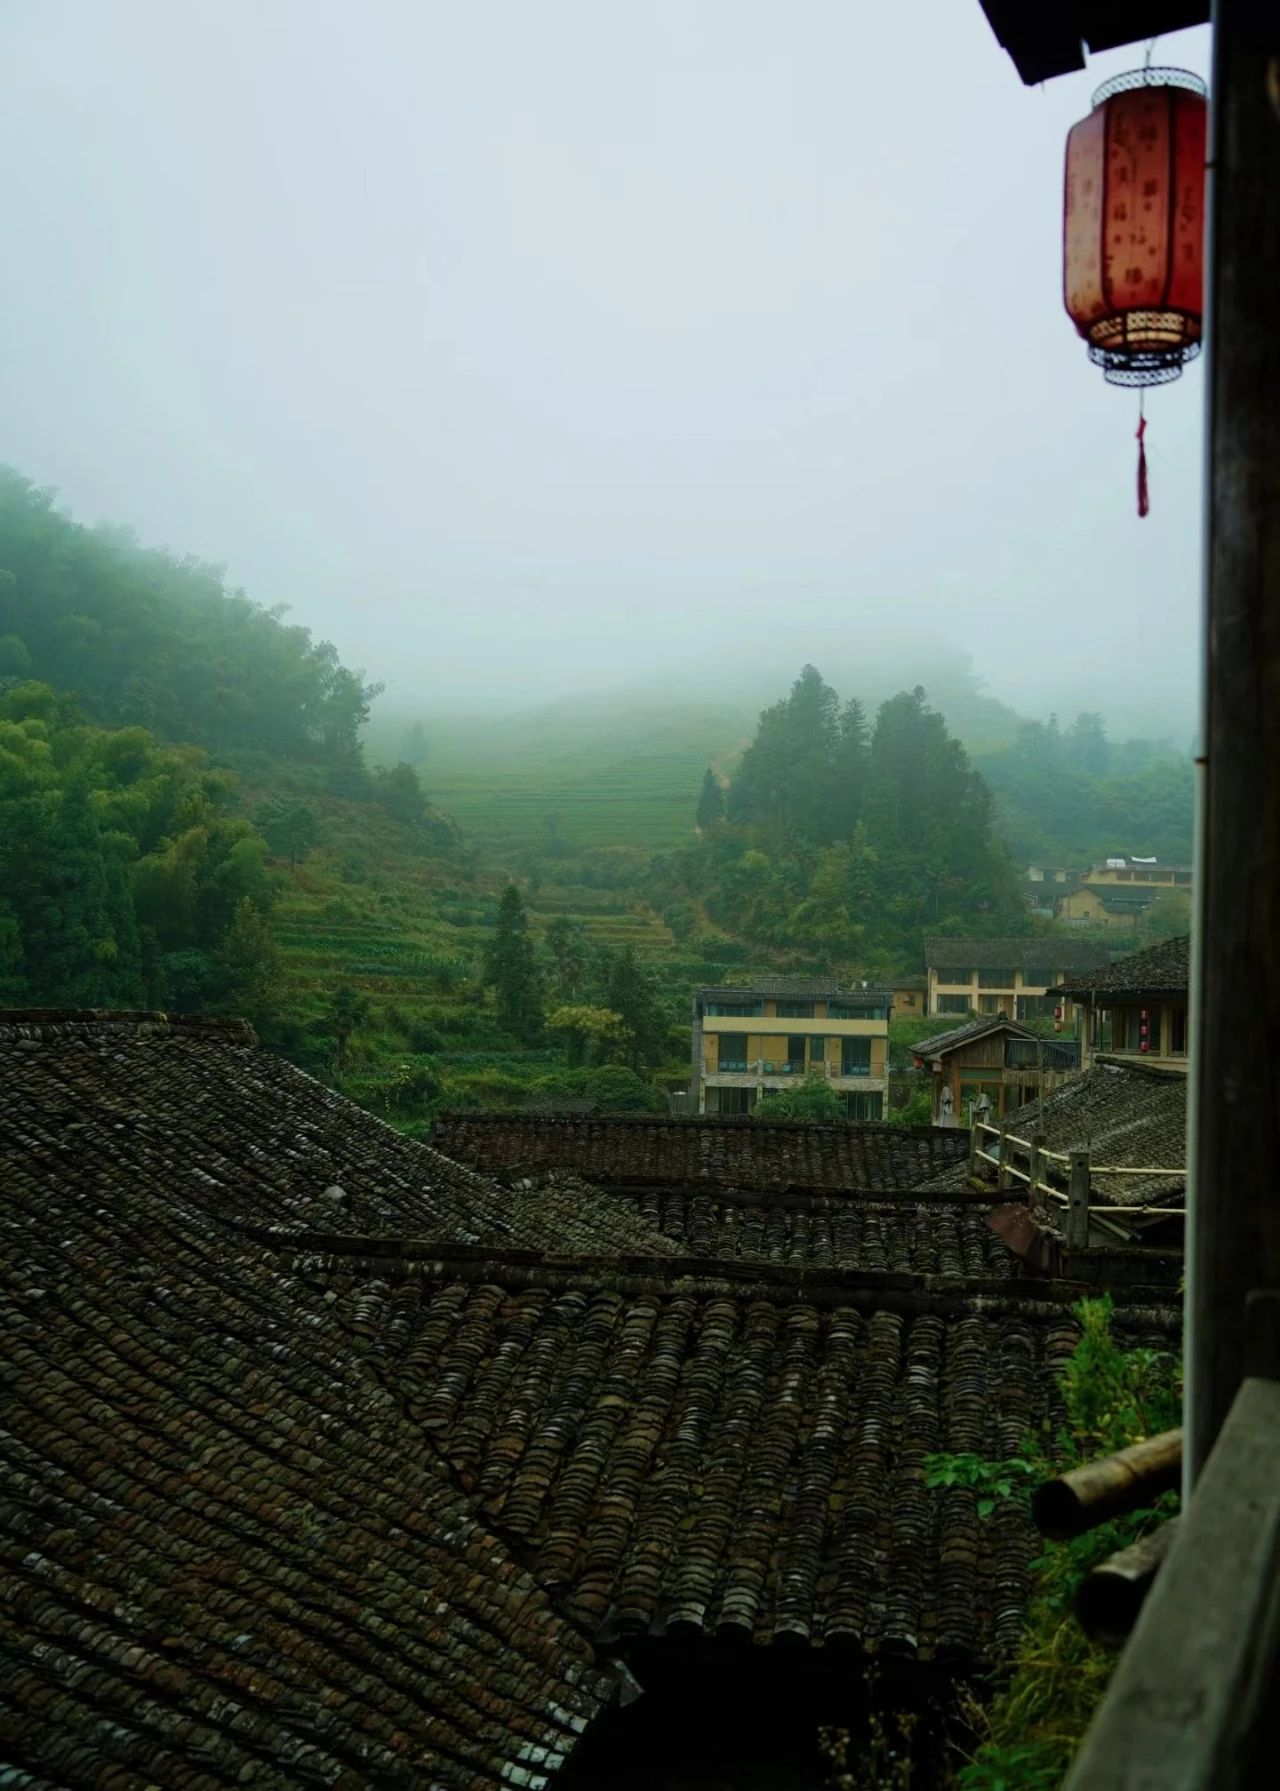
x=1077, y=1168
x=1192, y=1703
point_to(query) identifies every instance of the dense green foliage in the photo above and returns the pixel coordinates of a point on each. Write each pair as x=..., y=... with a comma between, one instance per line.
x=843, y=843
x=125, y=880
x=147, y=640
x=1068, y=796
x=813, y=1099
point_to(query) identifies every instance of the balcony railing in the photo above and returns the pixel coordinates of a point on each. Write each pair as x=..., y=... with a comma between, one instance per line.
x=1048, y=1054
x=772, y=1066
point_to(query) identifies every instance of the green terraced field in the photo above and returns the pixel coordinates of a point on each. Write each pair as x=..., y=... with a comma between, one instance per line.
x=614, y=773
x=646, y=802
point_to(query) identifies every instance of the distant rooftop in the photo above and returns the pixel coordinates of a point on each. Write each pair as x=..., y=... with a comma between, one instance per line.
x=964, y=1035
x=1016, y=954
x=802, y=988
x=1162, y=970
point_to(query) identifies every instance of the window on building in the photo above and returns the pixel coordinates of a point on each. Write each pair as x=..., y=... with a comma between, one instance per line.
x=734, y=1010
x=955, y=976
x=730, y=1100
x=818, y=1054
x=795, y=1054
x=864, y=1106
x=855, y=1057
x=953, y=1004
x=1000, y=978
x=1124, y=1029
x=991, y=1004
x=876, y=1008
x=733, y=1052
x=795, y=1010
x=1036, y=1007
x=1177, y=1031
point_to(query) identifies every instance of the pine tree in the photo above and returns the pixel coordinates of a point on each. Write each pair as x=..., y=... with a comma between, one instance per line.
x=711, y=801
x=632, y=994
x=511, y=971
x=290, y=827
x=346, y=1014
x=252, y=963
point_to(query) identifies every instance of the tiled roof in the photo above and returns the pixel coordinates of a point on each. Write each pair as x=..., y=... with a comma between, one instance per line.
x=705, y=1460
x=819, y=987
x=899, y=1236
x=733, y=1153
x=964, y=1035
x=1126, y=1116
x=1015, y=954
x=189, y=1107
x=348, y=1488
x=1164, y=969
x=1122, y=901
x=226, y=1556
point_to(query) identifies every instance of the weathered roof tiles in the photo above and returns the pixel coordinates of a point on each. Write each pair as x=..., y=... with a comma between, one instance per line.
x=742, y=1153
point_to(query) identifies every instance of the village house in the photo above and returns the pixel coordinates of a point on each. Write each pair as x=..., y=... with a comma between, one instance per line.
x=1136, y=1007
x=1005, y=976
x=910, y=997
x=1113, y=892
x=994, y=1063
x=750, y=1039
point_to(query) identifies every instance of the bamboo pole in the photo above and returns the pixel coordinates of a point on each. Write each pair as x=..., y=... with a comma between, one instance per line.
x=1110, y=1597
x=1088, y=1496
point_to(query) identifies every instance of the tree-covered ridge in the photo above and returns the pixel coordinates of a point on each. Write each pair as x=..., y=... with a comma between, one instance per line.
x=844, y=842
x=145, y=639
x=125, y=880
x=1070, y=795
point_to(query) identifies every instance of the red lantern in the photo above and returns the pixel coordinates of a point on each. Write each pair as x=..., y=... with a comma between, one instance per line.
x=1133, y=230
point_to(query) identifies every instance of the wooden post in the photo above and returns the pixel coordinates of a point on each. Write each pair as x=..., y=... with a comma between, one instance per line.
x=1078, y=1200
x=1235, y=1116
x=974, y=1142
x=1033, y=1186
x=1002, y=1174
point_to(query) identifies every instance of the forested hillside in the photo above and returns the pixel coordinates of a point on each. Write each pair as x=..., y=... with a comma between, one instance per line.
x=188, y=821
x=134, y=687
x=1069, y=795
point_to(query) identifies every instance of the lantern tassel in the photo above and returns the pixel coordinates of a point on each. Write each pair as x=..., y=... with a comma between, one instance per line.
x=1144, y=500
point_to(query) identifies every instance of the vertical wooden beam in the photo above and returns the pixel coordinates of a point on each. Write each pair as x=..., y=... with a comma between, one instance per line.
x=1235, y=1130
x=1078, y=1200
x=1002, y=1150
x=1033, y=1186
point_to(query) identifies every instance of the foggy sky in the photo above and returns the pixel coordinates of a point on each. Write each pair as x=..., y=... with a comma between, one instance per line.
x=527, y=345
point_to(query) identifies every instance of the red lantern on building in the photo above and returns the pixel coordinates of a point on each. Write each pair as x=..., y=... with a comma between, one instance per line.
x=1133, y=228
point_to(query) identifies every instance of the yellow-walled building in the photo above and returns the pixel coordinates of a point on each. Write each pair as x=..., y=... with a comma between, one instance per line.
x=767, y=1035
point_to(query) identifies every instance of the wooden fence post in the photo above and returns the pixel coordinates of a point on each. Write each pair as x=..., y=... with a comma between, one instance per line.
x=1033, y=1183
x=1002, y=1174
x=1078, y=1200
x=974, y=1135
